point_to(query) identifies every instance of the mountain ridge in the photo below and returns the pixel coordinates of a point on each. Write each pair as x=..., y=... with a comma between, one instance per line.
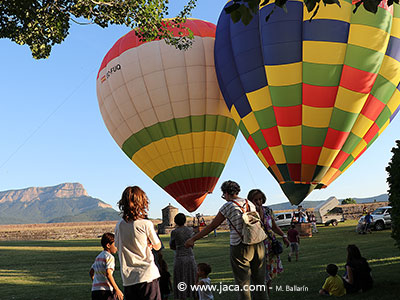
x=33, y=193
x=314, y=203
x=67, y=202
x=70, y=202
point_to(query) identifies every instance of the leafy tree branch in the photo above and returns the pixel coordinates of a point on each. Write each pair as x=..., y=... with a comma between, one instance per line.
x=41, y=24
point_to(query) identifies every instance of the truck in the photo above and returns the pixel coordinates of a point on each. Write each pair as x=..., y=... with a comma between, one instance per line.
x=328, y=213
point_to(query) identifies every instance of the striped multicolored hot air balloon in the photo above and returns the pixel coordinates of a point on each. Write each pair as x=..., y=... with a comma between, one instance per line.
x=310, y=97
x=164, y=109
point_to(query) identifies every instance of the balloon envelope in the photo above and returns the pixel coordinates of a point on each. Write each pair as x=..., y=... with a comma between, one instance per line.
x=310, y=97
x=164, y=109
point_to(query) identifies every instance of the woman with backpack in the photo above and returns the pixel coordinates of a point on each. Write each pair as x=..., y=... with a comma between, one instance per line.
x=273, y=261
x=247, y=261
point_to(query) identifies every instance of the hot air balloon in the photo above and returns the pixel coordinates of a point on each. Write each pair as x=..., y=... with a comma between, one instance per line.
x=310, y=96
x=164, y=109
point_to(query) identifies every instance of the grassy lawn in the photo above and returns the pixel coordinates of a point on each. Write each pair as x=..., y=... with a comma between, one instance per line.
x=59, y=269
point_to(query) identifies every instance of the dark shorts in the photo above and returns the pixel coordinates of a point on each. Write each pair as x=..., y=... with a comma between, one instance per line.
x=294, y=247
x=101, y=295
x=143, y=291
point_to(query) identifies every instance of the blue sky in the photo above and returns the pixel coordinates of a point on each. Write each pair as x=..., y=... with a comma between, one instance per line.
x=52, y=130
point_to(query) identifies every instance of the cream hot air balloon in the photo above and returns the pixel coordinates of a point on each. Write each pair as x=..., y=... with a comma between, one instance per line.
x=164, y=109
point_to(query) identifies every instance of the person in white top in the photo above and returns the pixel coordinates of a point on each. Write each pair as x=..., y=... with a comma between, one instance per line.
x=135, y=237
x=247, y=261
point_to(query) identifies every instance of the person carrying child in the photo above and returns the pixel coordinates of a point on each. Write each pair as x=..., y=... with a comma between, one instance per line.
x=203, y=270
x=102, y=270
x=333, y=285
x=294, y=239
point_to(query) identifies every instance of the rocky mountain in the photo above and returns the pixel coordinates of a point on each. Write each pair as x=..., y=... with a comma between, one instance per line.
x=66, y=202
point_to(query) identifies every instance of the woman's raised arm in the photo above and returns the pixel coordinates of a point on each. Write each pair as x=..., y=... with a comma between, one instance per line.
x=219, y=218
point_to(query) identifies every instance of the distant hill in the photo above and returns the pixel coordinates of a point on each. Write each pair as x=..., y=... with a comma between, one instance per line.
x=288, y=205
x=67, y=202
x=312, y=204
x=380, y=198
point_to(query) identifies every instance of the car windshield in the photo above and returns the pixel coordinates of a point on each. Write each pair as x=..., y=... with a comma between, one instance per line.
x=379, y=211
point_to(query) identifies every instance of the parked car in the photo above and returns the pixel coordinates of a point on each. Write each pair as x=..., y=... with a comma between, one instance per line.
x=283, y=219
x=381, y=219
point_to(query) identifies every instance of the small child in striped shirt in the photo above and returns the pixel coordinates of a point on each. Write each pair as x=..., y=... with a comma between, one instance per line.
x=101, y=272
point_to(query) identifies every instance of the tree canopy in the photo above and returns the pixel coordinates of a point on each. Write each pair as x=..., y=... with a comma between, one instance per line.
x=41, y=24
x=393, y=181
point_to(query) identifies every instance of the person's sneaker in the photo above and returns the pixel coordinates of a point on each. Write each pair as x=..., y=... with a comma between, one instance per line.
x=289, y=259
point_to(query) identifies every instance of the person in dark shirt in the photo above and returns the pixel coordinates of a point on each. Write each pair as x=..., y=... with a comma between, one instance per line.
x=368, y=220
x=294, y=239
x=358, y=273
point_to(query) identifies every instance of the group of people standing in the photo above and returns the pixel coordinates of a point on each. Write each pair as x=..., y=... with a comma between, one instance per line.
x=144, y=272
x=302, y=216
x=136, y=240
x=252, y=264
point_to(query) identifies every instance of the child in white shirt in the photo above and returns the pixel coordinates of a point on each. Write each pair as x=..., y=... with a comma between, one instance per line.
x=204, y=282
x=102, y=270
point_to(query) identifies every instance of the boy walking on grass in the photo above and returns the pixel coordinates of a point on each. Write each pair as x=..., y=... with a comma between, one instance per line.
x=294, y=239
x=333, y=285
x=102, y=270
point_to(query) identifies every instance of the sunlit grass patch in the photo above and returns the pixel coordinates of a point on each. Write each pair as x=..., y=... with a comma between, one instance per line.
x=58, y=270
x=19, y=277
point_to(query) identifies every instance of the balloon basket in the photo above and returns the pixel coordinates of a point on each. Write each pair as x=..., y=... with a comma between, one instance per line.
x=304, y=229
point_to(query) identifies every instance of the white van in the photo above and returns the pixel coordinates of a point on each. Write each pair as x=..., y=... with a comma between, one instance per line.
x=283, y=219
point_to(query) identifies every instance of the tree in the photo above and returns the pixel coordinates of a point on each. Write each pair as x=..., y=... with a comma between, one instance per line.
x=349, y=201
x=393, y=181
x=43, y=23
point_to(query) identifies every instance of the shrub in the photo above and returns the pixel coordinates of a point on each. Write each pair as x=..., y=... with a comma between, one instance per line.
x=349, y=201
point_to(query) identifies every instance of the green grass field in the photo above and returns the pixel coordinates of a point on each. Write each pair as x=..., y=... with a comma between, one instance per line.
x=59, y=269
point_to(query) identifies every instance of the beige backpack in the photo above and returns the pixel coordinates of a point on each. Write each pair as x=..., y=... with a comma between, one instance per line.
x=252, y=231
